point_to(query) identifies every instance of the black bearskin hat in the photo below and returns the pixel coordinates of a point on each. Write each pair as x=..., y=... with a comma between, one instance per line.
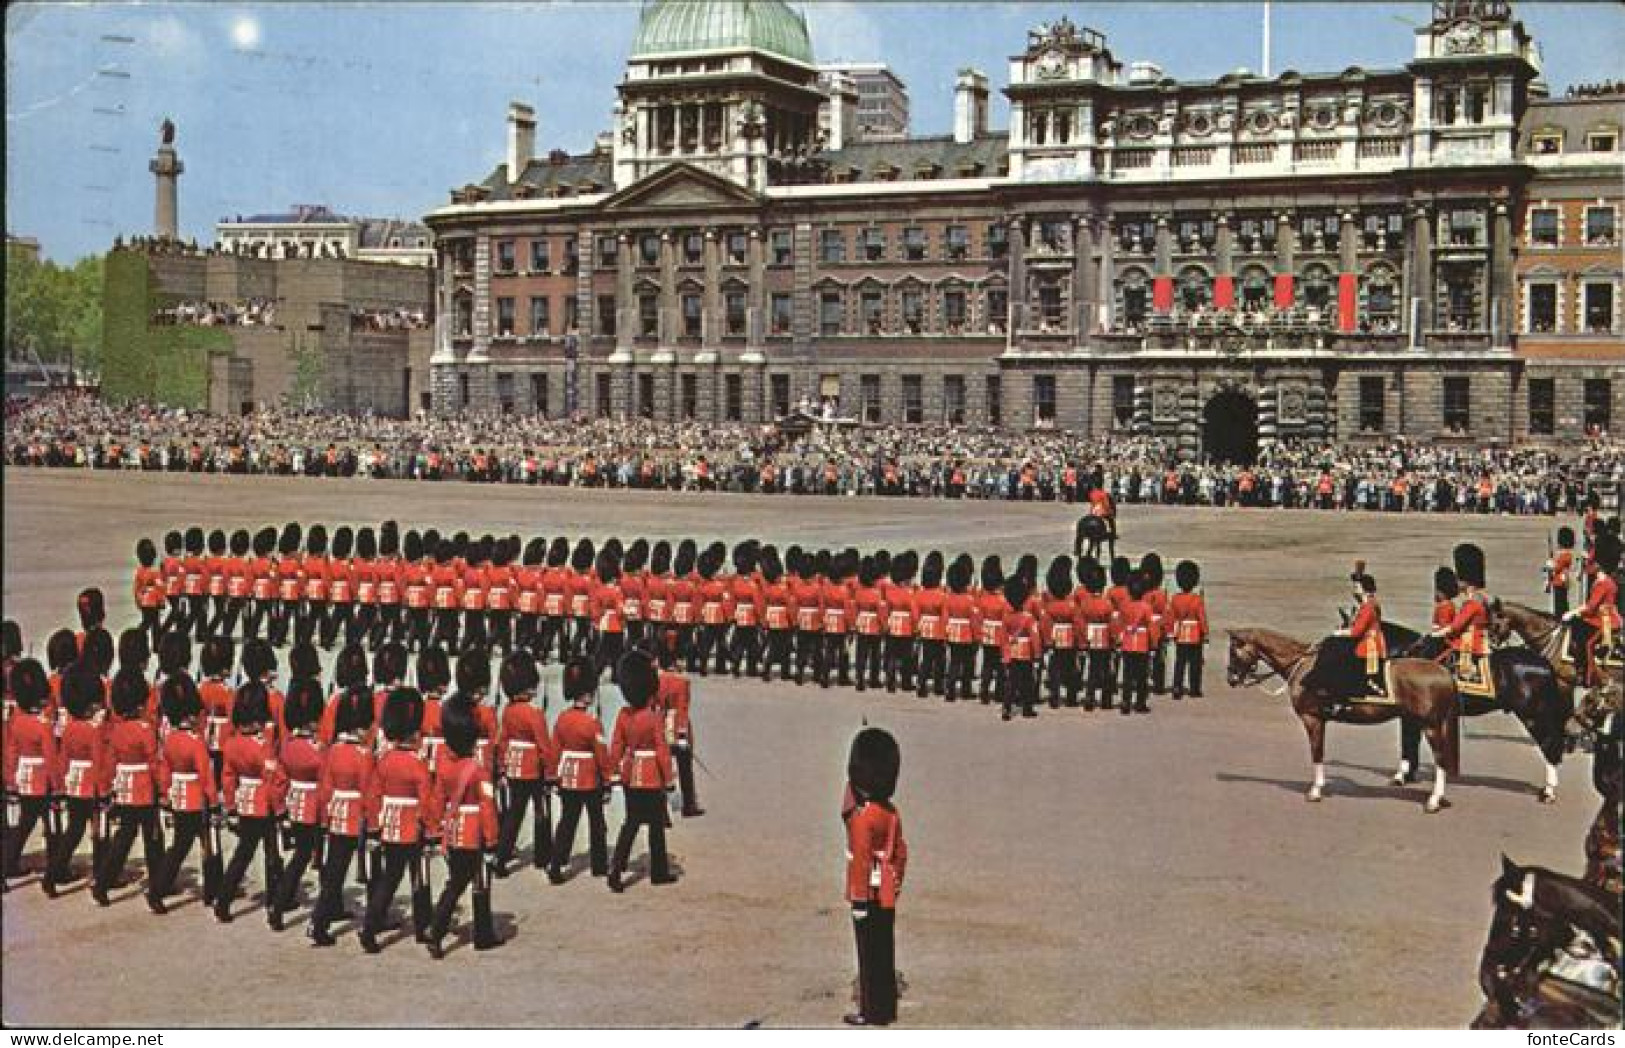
x=173, y=543
x=1016, y=592
x=660, y=557
x=389, y=542
x=11, y=639
x=343, y=542
x=1565, y=537
x=558, y=553
x=264, y=542
x=867, y=571
x=29, y=685
x=683, y=562
x=519, y=674
x=883, y=559
x=768, y=565
x=259, y=658
x=712, y=560
x=1027, y=568
x=1187, y=575
x=194, y=540
x=366, y=545
x=403, y=714
x=252, y=707
x=444, y=551
x=960, y=573
x=288, y=544
x=459, y=727
x=608, y=569
x=133, y=649
x=581, y=557
x=354, y=713
x=580, y=678
x=146, y=554
x=461, y=544
x=1151, y=565
x=388, y=664
x=637, y=555
x=1364, y=581
x=904, y=567
x=1445, y=584
x=303, y=705
x=931, y=571
x=639, y=679
x=872, y=765
x=1138, y=584
x=746, y=556
x=97, y=650
x=174, y=652
x=992, y=573
x=216, y=657
x=414, y=546
x=82, y=692
x=130, y=692
x=92, y=608
x=304, y=661
x=1469, y=565
x=1606, y=550
x=535, y=552
x=434, y=670
x=1091, y=576
x=479, y=550
x=350, y=668
x=217, y=542
x=614, y=548
x=240, y=542
x=179, y=698
x=1059, y=579
x=474, y=671
x=823, y=564
x=1120, y=571
x=316, y=540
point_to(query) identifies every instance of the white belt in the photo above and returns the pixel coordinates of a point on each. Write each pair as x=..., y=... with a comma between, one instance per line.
x=576, y=754
x=251, y=783
x=38, y=760
x=400, y=802
x=179, y=776
x=469, y=808
x=520, y=744
x=346, y=795
x=81, y=764
x=295, y=784
x=643, y=753
x=124, y=769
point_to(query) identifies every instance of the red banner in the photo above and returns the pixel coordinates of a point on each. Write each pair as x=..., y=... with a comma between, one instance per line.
x=1162, y=294
x=1224, y=292
x=1283, y=290
x=1346, y=298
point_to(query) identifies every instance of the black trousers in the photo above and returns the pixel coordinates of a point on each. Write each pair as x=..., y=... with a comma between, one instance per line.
x=606, y=654
x=809, y=652
x=525, y=632
x=709, y=642
x=1063, y=676
x=898, y=659
x=1136, y=679
x=190, y=826
x=868, y=661
x=550, y=639
x=837, y=661
x=128, y=821
x=462, y=869
x=32, y=810
x=216, y=618
x=253, y=618
x=339, y=617
x=499, y=629
x=780, y=653
x=253, y=834
x=581, y=634
x=306, y=840
x=398, y=861
x=961, y=671
x=644, y=808
x=522, y=794
x=1188, y=669
x=875, y=928
x=1560, y=602
x=1159, y=669
x=933, y=668
x=448, y=624
x=226, y=624
x=1020, y=686
x=281, y=614
x=683, y=756
x=197, y=616
x=745, y=648
x=335, y=867
x=80, y=813
x=572, y=802
x=360, y=625
x=992, y=673
x=1098, y=682
x=152, y=623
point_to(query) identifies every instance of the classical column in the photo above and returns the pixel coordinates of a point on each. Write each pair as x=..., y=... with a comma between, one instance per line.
x=1017, y=241
x=626, y=305
x=1224, y=263
x=1083, y=277
x=166, y=167
x=1285, y=249
x=712, y=323
x=1162, y=279
x=1502, y=304
x=1348, y=279
x=1421, y=316
x=755, y=300
x=1108, y=269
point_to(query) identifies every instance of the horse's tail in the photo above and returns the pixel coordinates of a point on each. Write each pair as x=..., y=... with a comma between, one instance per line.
x=1450, y=760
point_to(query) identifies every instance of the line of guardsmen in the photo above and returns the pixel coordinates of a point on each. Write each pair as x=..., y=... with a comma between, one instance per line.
x=373, y=775
x=838, y=617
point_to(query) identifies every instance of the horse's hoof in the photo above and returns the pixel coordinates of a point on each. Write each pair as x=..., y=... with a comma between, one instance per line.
x=1548, y=796
x=1399, y=780
x=1434, y=807
x=1313, y=796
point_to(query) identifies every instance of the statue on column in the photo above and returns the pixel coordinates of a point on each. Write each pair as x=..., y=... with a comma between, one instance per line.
x=166, y=132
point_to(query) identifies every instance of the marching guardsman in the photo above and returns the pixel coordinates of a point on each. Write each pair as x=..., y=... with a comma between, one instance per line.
x=364, y=586
x=1057, y=626
x=433, y=680
x=583, y=772
x=401, y=801
x=555, y=602
x=502, y=593
x=215, y=578
x=174, y=579
x=78, y=774
x=445, y=583
x=643, y=761
x=302, y=806
x=469, y=830
x=807, y=597
x=868, y=619
x=579, y=585
x=961, y=626
x=290, y=584
x=61, y=653
x=340, y=590
x=673, y=702
x=680, y=591
x=473, y=677
x=390, y=571
x=412, y=575
x=1600, y=613
x=634, y=589
x=130, y=777
x=1095, y=619
x=252, y=787
x=342, y=791
x=194, y=583
x=528, y=594
x=524, y=753
x=474, y=592
x=876, y=860
x=992, y=609
x=839, y=574
x=215, y=662
x=1022, y=651
x=1365, y=628
x=262, y=583
x=30, y=762
x=608, y=613
x=711, y=594
x=897, y=593
x=657, y=588
x=745, y=598
x=929, y=602
x=1156, y=598
x=1560, y=571
x=1471, y=629
x=1118, y=574
x=1187, y=613
x=149, y=588
x=778, y=612
x=1136, y=638
x=188, y=787
x=239, y=584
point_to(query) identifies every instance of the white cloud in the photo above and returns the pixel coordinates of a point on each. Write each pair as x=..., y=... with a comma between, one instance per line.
x=169, y=39
x=842, y=30
x=245, y=32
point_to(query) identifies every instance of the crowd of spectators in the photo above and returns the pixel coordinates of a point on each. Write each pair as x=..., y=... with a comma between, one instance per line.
x=253, y=312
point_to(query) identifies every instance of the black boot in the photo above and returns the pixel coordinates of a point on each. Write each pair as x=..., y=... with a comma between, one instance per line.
x=615, y=884
x=422, y=913
x=213, y=873
x=485, y=928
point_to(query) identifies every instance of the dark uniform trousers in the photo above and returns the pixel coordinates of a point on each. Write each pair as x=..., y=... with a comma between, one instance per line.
x=80, y=812
x=252, y=834
x=572, y=802
x=190, y=826
x=33, y=811
x=1136, y=679
x=780, y=653
x=1188, y=669
x=1020, y=686
x=875, y=928
x=898, y=660
x=809, y=653
x=335, y=865
x=306, y=841
x=1062, y=675
x=961, y=671
x=682, y=754
x=1099, y=683
x=933, y=667
x=992, y=672
x=868, y=668
x=746, y=648
x=522, y=794
x=644, y=808
x=130, y=821
x=398, y=860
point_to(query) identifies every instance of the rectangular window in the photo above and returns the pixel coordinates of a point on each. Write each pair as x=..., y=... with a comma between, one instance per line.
x=1599, y=309
x=648, y=316
x=830, y=310
x=953, y=399
x=609, y=255
x=1600, y=227
x=693, y=249
x=995, y=401
x=831, y=246
x=1542, y=407
x=958, y=243
x=505, y=256
x=572, y=256
x=733, y=398
x=1457, y=404
x=606, y=315
x=738, y=247
x=914, y=310
x=1542, y=308
x=1543, y=226
x=1043, y=398
x=1049, y=305
x=1122, y=401
x=1599, y=405
x=605, y=399
x=873, y=307
x=1466, y=225
x=998, y=310
x=998, y=240
x=649, y=249
x=690, y=388
x=462, y=389
x=505, y=391
x=953, y=311
x=874, y=244
x=869, y=397
x=570, y=318
x=913, y=399
x=646, y=396
x=505, y=317
x=539, y=260
x=779, y=391
x=692, y=323
x=781, y=312
x=538, y=394
x=1372, y=414
x=914, y=244
x=733, y=303
x=1602, y=141
x=783, y=253
x=539, y=317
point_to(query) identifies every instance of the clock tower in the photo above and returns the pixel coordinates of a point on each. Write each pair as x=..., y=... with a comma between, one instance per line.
x=1052, y=110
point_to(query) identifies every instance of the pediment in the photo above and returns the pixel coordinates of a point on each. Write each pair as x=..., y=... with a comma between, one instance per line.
x=681, y=187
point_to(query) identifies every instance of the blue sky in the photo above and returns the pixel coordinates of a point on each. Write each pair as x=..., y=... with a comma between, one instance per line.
x=380, y=108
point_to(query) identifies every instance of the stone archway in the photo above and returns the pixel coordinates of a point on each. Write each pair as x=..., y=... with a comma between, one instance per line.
x=1230, y=428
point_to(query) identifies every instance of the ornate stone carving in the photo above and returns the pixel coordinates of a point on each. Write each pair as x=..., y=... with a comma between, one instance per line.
x=1464, y=38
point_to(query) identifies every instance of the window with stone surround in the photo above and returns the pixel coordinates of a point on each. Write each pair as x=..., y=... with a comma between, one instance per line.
x=505, y=317
x=1043, y=399
x=648, y=315
x=1543, y=226
x=998, y=310
x=831, y=313
x=953, y=399
x=781, y=303
x=1051, y=311
x=609, y=256
x=914, y=309
x=958, y=240
x=570, y=318
x=693, y=249
x=539, y=393
x=1605, y=141
x=1599, y=405
x=1317, y=286
x=874, y=244
x=540, y=255
x=783, y=253
x=505, y=391
x=995, y=400
x=540, y=307
x=831, y=245
x=1133, y=299
x=1195, y=289
x=1458, y=397
x=1373, y=413
x=1542, y=407
x=1598, y=308
x=464, y=396
x=693, y=323
x=779, y=387
x=505, y=256
x=1463, y=227
x=1542, y=308
x=649, y=249
x=913, y=399
x=1601, y=229
x=572, y=256
x=871, y=305
x=869, y=397
x=914, y=244
x=734, y=311
x=953, y=310
x=689, y=396
x=998, y=241
x=1122, y=401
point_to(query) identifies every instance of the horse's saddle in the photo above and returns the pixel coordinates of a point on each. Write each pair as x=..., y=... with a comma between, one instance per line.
x=1583, y=963
x=1339, y=672
x=1473, y=674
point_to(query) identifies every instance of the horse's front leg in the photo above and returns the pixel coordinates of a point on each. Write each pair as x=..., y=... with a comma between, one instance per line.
x=1315, y=728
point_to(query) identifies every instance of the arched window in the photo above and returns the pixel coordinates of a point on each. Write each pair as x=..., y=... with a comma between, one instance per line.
x=1317, y=286
x=1195, y=289
x=1255, y=288
x=1379, y=295
x=1133, y=298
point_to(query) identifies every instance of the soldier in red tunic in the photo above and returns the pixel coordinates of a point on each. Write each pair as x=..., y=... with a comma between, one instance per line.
x=469, y=831
x=149, y=589
x=807, y=596
x=608, y=612
x=929, y=603
x=1057, y=627
x=30, y=761
x=778, y=611
x=582, y=772
x=474, y=592
x=877, y=858
x=579, y=584
x=1188, y=616
x=252, y=786
x=524, y=753
x=1022, y=651
x=312, y=608
x=963, y=627
x=215, y=578
x=711, y=602
x=130, y=776
x=194, y=583
x=433, y=680
x=1600, y=644
x=745, y=600
x=302, y=807
x=867, y=618
x=681, y=593
x=81, y=755
x=340, y=590
x=1136, y=635
x=1471, y=629
x=552, y=636
x=634, y=589
x=902, y=620
x=262, y=583
x=527, y=581
x=390, y=571
x=674, y=701
x=991, y=610
x=401, y=801
x=342, y=790
x=1560, y=571
x=239, y=585
x=643, y=760
x=187, y=785
x=1156, y=598
x=174, y=579
x=840, y=617
x=445, y=583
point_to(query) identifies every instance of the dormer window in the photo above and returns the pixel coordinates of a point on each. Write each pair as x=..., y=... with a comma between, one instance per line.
x=1546, y=143
x=1602, y=141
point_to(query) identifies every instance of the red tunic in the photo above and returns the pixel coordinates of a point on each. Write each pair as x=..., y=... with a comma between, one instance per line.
x=345, y=781
x=1136, y=628
x=401, y=800
x=1022, y=641
x=1057, y=622
x=580, y=586
x=633, y=589
x=31, y=757
x=340, y=581
x=81, y=755
x=745, y=600
x=657, y=597
x=473, y=591
x=673, y=701
x=839, y=606
x=1366, y=629
x=524, y=749
x=680, y=592
x=149, y=588
x=1189, y=614
x=578, y=748
x=901, y=613
x=186, y=774
x=500, y=588
x=992, y=608
x=877, y=856
x=639, y=752
x=607, y=608
x=251, y=779
x=302, y=766
x=808, y=598
x=962, y=620
x=778, y=608
x=130, y=771
x=469, y=802
x=868, y=611
x=929, y=605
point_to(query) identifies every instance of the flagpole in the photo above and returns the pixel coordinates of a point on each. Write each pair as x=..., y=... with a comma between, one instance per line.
x=1266, y=69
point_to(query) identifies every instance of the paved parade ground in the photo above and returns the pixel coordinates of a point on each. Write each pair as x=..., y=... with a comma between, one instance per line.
x=1074, y=870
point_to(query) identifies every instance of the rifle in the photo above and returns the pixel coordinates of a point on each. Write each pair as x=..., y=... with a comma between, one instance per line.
x=1547, y=569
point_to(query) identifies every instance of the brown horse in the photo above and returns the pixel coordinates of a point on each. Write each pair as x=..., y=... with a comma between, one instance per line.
x=1423, y=692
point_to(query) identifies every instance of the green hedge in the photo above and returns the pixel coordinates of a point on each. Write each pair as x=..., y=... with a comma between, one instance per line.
x=169, y=365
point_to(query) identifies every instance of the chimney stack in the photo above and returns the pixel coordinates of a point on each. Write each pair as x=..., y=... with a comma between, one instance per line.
x=521, y=138
x=970, y=105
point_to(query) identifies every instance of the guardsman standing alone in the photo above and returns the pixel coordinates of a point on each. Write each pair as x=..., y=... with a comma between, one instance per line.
x=1188, y=612
x=876, y=858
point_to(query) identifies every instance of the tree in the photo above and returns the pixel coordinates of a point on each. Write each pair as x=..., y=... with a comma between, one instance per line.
x=54, y=313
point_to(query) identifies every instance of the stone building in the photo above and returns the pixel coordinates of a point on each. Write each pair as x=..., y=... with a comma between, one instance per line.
x=315, y=230
x=1225, y=262
x=879, y=96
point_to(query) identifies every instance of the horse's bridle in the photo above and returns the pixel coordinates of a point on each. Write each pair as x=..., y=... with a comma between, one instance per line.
x=1254, y=675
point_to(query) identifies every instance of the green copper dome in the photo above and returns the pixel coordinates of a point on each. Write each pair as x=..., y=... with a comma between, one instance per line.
x=685, y=26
